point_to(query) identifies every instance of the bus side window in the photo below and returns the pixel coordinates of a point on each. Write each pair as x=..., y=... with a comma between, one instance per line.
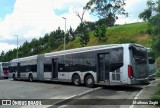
x=89, y=61
x=33, y=68
x=78, y=60
x=27, y=68
x=68, y=61
x=116, y=59
x=47, y=67
x=12, y=69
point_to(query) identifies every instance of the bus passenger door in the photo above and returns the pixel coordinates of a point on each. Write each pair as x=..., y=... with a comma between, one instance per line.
x=18, y=70
x=55, y=68
x=103, y=67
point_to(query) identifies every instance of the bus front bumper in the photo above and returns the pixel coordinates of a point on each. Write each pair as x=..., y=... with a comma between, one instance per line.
x=153, y=76
x=4, y=76
x=140, y=81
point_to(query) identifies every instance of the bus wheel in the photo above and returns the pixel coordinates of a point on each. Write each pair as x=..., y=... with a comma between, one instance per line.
x=5, y=77
x=76, y=80
x=14, y=77
x=89, y=81
x=30, y=78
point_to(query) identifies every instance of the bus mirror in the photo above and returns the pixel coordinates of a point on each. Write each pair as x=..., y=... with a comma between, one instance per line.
x=130, y=47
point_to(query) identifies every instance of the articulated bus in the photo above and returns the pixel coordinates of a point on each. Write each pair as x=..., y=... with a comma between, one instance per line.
x=4, y=69
x=115, y=64
x=152, y=65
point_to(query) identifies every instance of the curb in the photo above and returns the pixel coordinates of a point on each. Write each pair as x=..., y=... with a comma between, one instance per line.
x=75, y=96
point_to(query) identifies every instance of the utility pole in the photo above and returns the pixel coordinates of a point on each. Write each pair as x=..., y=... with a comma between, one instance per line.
x=17, y=44
x=64, y=34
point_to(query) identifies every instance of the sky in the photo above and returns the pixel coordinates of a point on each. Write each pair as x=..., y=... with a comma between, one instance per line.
x=34, y=18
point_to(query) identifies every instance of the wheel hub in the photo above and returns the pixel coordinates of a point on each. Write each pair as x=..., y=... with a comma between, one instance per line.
x=89, y=81
x=76, y=81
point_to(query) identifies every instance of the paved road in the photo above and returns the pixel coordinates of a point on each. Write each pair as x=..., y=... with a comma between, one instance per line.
x=51, y=90
x=108, y=93
x=10, y=89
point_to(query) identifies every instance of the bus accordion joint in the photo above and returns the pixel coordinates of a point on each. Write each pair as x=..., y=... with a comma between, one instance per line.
x=130, y=72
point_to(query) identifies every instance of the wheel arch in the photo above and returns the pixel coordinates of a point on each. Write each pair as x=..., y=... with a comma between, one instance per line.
x=14, y=73
x=85, y=76
x=30, y=74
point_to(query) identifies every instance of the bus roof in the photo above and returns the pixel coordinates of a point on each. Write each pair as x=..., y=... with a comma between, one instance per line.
x=82, y=49
x=75, y=50
x=4, y=62
x=24, y=58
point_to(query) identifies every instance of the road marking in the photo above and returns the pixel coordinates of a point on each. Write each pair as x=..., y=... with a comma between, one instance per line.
x=75, y=96
x=64, y=98
x=136, y=97
x=62, y=106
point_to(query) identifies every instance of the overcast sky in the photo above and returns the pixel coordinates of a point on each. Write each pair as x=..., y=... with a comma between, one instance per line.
x=33, y=18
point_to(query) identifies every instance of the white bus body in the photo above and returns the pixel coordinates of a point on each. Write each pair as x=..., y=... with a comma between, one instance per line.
x=4, y=69
x=115, y=64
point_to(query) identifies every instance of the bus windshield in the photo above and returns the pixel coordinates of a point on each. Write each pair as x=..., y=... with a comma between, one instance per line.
x=139, y=55
x=6, y=65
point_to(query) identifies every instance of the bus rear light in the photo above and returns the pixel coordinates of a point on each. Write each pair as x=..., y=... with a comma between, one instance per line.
x=6, y=72
x=130, y=72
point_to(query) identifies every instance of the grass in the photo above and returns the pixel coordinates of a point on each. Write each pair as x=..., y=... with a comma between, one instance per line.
x=128, y=29
x=158, y=62
x=128, y=33
x=158, y=74
x=74, y=44
x=156, y=96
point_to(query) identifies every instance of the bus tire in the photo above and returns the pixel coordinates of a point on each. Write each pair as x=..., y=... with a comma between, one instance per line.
x=14, y=77
x=76, y=80
x=5, y=77
x=89, y=81
x=30, y=77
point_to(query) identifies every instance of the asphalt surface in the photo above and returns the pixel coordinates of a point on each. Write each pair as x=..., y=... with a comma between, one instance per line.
x=10, y=89
x=114, y=97
x=108, y=97
x=148, y=92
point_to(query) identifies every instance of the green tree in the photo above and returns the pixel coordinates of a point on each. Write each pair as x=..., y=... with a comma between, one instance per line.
x=107, y=8
x=109, y=22
x=84, y=38
x=2, y=53
x=71, y=34
x=56, y=38
x=100, y=32
x=25, y=49
x=146, y=15
x=34, y=46
x=83, y=32
x=154, y=23
x=2, y=56
x=154, y=28
x=8, y=56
